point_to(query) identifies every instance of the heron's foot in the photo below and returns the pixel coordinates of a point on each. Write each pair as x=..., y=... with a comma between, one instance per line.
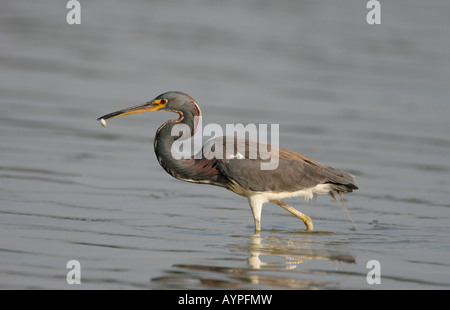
x=308, y=223
x=306, y=219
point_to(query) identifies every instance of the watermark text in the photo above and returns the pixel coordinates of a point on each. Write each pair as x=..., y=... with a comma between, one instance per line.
x=237, y=142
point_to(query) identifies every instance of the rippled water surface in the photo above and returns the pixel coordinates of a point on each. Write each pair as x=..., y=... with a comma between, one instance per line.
x=370, y=99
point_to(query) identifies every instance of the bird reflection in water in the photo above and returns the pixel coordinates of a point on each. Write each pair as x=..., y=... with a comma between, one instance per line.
x=276, y=262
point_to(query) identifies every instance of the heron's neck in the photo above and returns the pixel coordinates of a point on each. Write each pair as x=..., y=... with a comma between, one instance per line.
x=168, y=158
x=200, y=170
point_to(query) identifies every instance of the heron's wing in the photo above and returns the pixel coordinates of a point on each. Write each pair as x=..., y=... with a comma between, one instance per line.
x=342, y=180
x=293, y=173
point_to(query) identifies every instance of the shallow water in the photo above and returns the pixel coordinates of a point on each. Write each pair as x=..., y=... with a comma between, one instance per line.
x=373, y=100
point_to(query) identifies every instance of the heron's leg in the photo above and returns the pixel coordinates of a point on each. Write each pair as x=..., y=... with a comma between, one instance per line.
x=256, y=204
x=306, y=219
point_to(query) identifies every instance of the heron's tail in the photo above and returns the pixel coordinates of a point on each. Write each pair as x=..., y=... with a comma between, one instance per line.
x=340, y=180
x=343, y=188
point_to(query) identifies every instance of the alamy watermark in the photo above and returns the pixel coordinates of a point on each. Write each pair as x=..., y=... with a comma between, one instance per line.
x=374, y=15
x=74, y=15
x=74, y=275
x=374, y=275
x=230, y=144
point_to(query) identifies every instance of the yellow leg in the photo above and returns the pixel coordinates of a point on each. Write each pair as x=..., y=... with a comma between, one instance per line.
x=306, y=219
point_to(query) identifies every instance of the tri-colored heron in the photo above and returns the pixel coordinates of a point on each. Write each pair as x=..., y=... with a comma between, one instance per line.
x=296, y=175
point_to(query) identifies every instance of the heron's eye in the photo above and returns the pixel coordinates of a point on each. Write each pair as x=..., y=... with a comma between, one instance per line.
x=164, y=101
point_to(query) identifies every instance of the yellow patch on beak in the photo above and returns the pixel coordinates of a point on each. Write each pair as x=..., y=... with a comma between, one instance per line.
x=155, y=105
x=158, y=104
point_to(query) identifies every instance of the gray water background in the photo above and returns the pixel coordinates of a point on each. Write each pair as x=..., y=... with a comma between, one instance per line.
x=370, y=99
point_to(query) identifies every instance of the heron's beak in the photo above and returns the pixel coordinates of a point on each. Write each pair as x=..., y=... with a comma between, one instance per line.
x=154, y=105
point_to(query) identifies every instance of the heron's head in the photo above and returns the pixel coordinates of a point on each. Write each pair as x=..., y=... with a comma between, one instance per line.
x=173, y=101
